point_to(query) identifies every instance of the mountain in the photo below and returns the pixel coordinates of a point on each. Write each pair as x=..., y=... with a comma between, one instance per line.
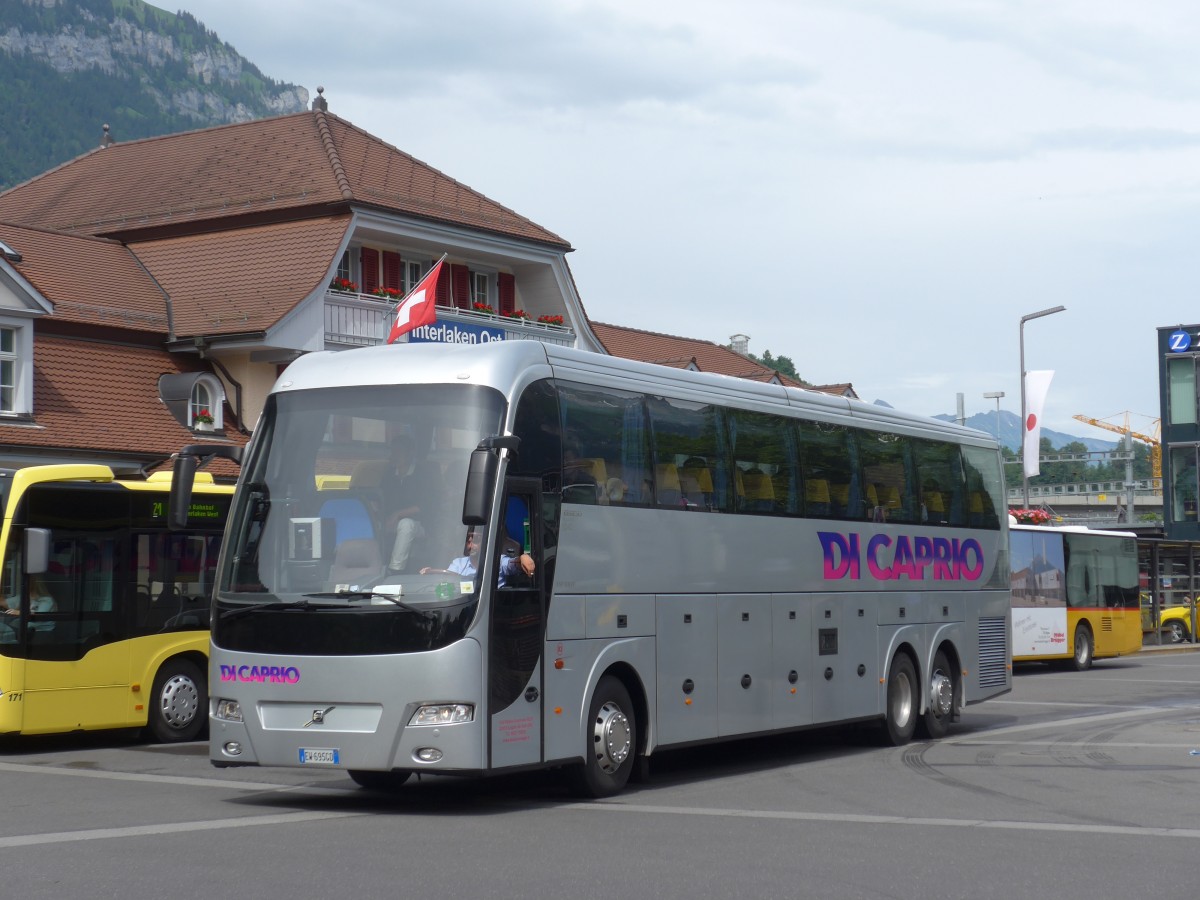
x=122, y=63
x=1011, y=431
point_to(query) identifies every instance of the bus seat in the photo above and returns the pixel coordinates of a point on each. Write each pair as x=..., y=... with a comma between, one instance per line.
x=597, y=468
x=739, y=487
x=935, y=506
x=891, y=496
x=667, y=484
x=839, y=499
x=975, y=508
x=351, y=518
x=872, y=496
x=696, y=483
x=355, y=561
x=760, y=492
x=816, y=497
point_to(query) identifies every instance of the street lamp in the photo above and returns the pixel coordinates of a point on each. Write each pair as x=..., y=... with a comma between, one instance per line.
x=1024, y=411
x=995, y=395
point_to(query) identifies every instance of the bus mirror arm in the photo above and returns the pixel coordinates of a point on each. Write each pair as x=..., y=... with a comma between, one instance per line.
x=481, y=476
x=189, y=459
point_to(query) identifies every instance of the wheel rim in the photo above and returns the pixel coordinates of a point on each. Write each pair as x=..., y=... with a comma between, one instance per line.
x=612, y=737
x=1082, y=652
x=1176, y=632
x=941, y=694
x=902, y=699
x=179, y=701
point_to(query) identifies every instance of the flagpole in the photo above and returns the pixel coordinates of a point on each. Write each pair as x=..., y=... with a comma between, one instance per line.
x=1024, y=411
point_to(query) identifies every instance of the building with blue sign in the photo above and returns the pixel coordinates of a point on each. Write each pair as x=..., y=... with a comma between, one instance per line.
x=1179, y=401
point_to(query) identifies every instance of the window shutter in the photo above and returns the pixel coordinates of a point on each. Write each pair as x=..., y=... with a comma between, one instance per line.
x=460, y=279
x=392, y=271
x=443, y=287
x=370, y=269
x=506, y=285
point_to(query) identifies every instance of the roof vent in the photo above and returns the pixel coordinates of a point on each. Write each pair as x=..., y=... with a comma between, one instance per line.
x=320, y=103
x=107, y=139
x=740, y=343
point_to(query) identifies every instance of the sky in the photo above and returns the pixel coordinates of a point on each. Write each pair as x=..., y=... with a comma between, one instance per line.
x=876, y=189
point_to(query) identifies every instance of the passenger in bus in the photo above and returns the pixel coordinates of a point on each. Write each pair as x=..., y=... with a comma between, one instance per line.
x=409, y=491
x=40, y=601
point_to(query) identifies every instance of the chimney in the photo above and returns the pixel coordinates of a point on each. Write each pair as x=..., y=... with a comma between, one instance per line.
x=740, y=343
x=107, y=139
x=320, y=103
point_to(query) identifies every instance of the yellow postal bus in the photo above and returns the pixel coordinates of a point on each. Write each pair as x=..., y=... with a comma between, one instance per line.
x=104, y=611
x=1074, y=594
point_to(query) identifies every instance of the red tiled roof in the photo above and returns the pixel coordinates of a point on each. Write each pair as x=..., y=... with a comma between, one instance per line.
x=89, y=280
x=106, y=400
x=669, y=350
x=268, y=167
x=245, y=280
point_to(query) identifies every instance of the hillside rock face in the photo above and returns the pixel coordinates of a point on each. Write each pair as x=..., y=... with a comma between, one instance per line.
x=81, y=41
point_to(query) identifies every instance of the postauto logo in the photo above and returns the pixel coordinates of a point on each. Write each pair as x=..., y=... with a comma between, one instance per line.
x=261, y=674
x=889, y=559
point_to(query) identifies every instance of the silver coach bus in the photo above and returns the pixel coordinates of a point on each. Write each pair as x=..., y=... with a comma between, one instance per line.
x=701, y=558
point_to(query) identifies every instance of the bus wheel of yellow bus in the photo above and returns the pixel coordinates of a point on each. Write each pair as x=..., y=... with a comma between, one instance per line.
x=943, y=691
x=903, y=699
x=1084, y=648
x=178, y=703
x=612, y=742
x=378, y=781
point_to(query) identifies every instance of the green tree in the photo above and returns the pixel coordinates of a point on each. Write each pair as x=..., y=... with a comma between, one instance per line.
x=781, y=364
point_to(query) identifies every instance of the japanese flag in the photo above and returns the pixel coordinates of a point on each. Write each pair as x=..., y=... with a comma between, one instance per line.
x=1036, y=386
x=419, y=307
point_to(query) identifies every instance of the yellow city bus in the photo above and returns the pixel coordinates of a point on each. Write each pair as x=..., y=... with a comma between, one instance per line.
x=104, y=610
x=1074, y=594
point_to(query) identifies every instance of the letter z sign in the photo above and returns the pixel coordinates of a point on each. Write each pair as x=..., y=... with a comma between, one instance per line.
x=1179, y=341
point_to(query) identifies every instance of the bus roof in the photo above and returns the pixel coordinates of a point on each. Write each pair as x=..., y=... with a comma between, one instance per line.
x=509, y=365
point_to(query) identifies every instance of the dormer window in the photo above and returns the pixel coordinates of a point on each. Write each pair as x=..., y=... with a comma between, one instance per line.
x=205, y=404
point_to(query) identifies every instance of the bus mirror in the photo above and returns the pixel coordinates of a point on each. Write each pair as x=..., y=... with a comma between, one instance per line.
x=37, y=550
x=481, y=475
x=184, y=474
x=180, y=500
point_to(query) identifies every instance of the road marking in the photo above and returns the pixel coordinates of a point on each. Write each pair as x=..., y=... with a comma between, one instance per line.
x=257, y=786
x=986, y=734
x=856, y=819
x=97, y=834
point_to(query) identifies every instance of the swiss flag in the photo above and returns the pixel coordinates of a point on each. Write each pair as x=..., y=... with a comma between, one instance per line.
x=419, y=307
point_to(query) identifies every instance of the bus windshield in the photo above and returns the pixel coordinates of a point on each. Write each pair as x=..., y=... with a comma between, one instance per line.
x=352, y=500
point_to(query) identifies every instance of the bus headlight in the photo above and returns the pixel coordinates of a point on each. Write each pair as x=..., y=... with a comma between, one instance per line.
x=443, y=714
x=229, y=710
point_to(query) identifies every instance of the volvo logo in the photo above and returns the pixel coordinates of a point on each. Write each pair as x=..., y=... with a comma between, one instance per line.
x=318, y=716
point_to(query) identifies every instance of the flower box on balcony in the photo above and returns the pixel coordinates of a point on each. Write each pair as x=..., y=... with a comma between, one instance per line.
x=344, y=286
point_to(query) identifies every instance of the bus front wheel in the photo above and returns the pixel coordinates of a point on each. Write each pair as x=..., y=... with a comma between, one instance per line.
x=903, y=699
x=1084, y=649
x=178, y=702
x=611, y=742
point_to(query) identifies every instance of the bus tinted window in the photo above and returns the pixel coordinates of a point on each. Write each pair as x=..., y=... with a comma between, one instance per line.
x=766, y=476
x=830, y=485
x=883, y=460
x=689, y=455
x=605, y=446
x=939, y=476
x=985, y=487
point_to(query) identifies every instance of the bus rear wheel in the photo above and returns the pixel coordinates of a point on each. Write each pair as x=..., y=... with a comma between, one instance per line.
x=1085, y=648
x=178, y=702
x=611, y=742
x=378, y=781
x=903, y=699
x=943, y=691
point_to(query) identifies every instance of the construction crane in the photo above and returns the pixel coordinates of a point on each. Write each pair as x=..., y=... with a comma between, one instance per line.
x=1154, y=440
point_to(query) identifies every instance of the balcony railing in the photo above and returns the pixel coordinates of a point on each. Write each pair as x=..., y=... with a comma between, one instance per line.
x=361, y=320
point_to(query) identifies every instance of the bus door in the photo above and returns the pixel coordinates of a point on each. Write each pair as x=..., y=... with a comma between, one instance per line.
x=517, y=630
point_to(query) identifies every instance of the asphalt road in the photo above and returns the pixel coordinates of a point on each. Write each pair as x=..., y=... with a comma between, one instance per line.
x=1074, y=785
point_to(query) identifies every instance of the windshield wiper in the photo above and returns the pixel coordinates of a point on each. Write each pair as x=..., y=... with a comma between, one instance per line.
x=259, y=607
x=371, y=595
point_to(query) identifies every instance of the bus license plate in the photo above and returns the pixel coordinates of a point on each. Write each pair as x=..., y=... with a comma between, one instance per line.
x=318, y=756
